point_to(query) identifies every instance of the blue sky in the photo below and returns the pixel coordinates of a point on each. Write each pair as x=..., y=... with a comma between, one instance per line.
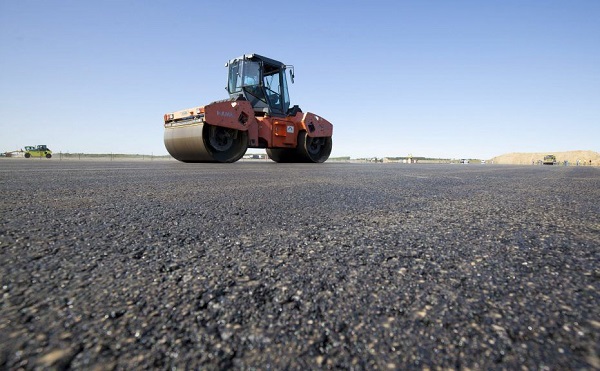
x=430, y=78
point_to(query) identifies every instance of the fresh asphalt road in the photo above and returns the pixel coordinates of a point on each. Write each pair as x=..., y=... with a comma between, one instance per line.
x=160, y=264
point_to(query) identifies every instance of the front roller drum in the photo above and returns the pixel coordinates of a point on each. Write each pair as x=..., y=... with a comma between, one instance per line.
x=205, y=143
x=309, y=149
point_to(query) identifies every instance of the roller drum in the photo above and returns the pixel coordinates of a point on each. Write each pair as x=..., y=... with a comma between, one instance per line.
x=308, y=149
x=205, y=143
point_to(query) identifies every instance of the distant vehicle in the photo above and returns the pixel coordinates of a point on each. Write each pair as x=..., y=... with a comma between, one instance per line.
x=464, y=161
x=549, y=160
x=39, y=151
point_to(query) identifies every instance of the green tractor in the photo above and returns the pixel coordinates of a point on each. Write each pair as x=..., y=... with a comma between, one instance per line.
x=40, y=151
x=549, y=160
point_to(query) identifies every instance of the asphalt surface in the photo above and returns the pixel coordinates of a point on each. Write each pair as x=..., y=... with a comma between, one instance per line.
x=160, y=264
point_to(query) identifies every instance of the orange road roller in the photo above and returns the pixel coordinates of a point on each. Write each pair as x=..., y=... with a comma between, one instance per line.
x=258, y=114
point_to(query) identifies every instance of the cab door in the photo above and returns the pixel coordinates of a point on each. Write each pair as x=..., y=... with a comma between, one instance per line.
x=277, y=93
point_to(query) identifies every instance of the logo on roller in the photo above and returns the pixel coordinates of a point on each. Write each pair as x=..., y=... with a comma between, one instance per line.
x=224, y=114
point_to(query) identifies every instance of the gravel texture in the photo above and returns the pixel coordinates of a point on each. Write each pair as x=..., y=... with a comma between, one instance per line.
x=163, y=265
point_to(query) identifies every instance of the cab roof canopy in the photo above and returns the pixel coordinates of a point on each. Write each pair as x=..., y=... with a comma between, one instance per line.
x=258, y=58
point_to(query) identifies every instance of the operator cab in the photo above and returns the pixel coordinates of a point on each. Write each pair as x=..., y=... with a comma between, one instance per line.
x=262, y=82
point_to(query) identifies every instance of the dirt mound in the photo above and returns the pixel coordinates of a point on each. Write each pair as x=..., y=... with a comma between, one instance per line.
x=572, y=157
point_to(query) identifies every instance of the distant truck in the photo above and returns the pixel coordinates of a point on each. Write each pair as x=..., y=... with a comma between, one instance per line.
x=40, y=150
x=549, y=160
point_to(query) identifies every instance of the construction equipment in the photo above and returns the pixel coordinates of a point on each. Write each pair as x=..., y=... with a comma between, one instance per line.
x=549, y=160
x=39, y=151
x=258, y=114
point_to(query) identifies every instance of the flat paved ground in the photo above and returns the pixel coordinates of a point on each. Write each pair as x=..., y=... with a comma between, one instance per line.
x=160, y=264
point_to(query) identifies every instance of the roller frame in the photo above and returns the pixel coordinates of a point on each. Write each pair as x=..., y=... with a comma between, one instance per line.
x=186, y=133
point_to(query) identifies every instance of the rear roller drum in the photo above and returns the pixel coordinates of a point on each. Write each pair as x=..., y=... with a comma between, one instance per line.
x=309, y=149
x=283, y=155
x=315, y=149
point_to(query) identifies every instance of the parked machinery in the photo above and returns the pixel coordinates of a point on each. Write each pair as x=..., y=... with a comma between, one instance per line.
x=549, y=160
x=258, y=114
x=40, y=150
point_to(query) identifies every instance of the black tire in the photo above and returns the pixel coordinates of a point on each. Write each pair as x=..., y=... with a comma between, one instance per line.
x=27, y=155
x=48, y=155
x=224, y=144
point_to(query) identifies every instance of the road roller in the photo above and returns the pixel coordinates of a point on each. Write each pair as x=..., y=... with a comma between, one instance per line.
x=258, y=114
